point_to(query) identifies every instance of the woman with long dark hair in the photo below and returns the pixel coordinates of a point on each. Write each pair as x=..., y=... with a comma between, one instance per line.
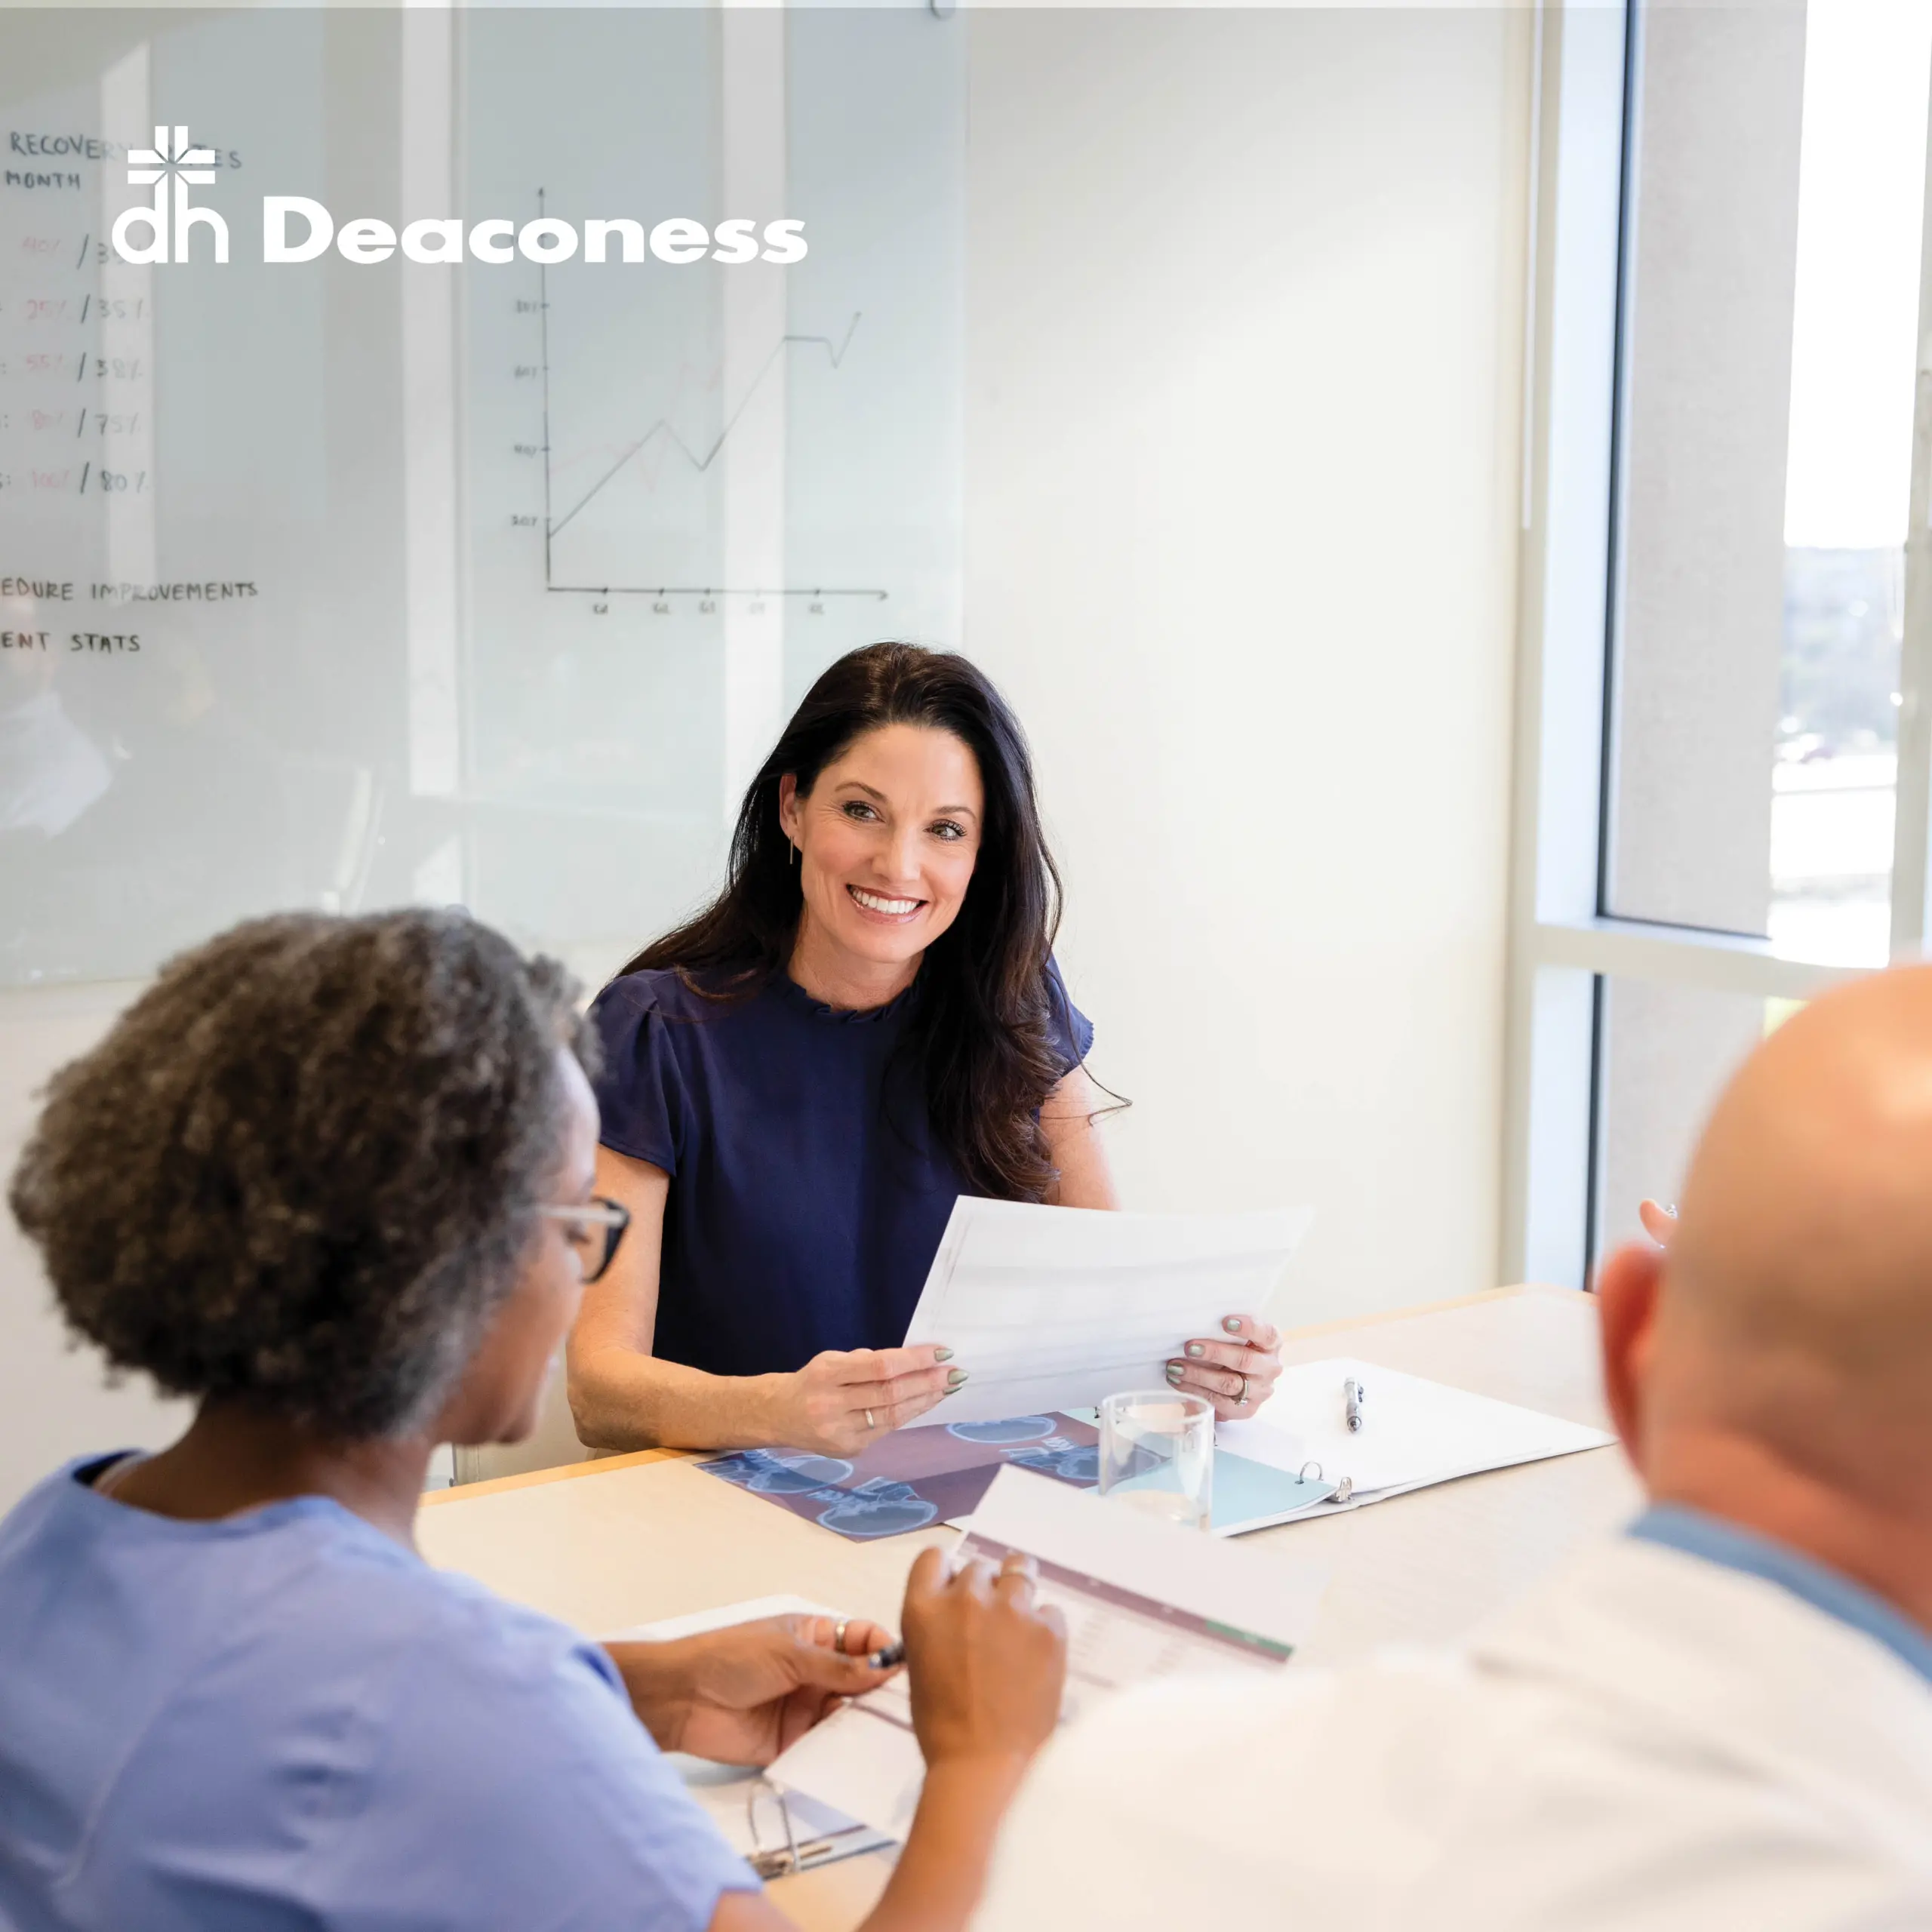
x=866, y=1024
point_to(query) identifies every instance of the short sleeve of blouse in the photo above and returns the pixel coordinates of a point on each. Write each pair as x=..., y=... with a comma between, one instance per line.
x=640, y=1092
x=1069, y=1032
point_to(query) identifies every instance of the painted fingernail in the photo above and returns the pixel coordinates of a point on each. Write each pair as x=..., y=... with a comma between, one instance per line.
x=954, y=1377
x=1173, y=1371
x=1197, y=1349
x=1231, y=1323
x=941, y=1355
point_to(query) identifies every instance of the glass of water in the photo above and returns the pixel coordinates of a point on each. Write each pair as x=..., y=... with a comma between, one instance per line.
x=1156, y=1453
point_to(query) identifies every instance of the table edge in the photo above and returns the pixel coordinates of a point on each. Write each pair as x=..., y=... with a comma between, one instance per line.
x=595, y=1465
x=604, y=1465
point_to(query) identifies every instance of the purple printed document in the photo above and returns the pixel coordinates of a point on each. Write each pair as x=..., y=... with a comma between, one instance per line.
x=913, y=1478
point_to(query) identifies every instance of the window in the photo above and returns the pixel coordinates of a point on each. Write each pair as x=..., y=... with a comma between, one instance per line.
x=1723, y=745
x=1666, y=1048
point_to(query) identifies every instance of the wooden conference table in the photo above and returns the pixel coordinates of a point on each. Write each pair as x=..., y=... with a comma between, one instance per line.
x=628, y=1539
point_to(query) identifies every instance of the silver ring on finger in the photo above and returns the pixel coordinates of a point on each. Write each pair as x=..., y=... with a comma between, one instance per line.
x=1240, y=1401
x=869, y=1423
x=838, y=1635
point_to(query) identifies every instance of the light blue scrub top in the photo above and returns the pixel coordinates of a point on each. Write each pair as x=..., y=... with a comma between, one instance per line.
x=283, y=1720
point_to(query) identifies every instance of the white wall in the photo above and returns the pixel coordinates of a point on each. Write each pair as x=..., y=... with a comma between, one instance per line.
x=1243, y=347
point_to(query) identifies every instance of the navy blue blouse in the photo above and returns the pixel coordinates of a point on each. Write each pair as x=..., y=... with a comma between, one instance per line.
x=808, y=1191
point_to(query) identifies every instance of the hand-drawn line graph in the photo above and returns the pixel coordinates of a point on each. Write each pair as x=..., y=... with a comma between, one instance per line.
x=664, y=433
x=664, y=427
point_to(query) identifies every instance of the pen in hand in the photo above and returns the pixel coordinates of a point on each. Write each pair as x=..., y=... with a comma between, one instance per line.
x=890, y=1658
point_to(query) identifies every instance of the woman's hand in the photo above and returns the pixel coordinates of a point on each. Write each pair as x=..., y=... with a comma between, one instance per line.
x=1659, y=1222
x=1237, y=1371
x=844, y=1399
x=987, y=1663
x=742, y=1695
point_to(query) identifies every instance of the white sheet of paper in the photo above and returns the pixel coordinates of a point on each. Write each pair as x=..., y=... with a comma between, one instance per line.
x=1142, y=1598
x=1414, y=1432
x=1054, y=1308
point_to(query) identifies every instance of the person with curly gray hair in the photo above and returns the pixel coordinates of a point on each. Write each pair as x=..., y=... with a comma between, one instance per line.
x=331, y=1179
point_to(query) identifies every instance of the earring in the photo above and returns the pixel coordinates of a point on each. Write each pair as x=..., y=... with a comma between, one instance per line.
x=794, y=860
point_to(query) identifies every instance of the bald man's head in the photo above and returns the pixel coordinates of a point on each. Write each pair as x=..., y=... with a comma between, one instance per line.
x=1795, y=1308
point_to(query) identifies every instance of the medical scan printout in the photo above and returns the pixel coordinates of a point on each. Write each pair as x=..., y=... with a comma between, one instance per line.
x=1049, y=1309
x=1142, y=1598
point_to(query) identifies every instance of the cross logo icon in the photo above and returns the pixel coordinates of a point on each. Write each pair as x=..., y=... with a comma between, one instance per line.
x=171, y=158
x=171, y=154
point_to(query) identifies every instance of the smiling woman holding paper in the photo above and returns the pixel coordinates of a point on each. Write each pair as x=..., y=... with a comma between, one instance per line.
x=865, y=1025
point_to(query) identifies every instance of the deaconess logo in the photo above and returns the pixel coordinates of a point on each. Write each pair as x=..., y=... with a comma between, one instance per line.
x=169, y=222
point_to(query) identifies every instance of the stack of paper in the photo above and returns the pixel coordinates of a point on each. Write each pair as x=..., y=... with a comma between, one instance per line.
x=1142, y=1598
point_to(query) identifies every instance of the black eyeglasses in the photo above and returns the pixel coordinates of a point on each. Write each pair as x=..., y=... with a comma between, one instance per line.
x=584, y=1220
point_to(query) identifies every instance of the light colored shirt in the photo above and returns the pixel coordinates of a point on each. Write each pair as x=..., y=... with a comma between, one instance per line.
x=283, y=1720
x=1657, y=1740
x=1710, y=1537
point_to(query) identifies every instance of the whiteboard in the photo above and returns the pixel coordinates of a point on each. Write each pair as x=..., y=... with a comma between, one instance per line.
x=343, y=586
